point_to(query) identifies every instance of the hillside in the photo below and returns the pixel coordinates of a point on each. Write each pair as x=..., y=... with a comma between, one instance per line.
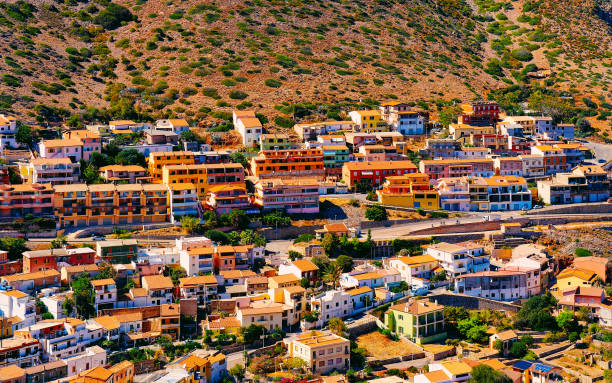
x=186, y=58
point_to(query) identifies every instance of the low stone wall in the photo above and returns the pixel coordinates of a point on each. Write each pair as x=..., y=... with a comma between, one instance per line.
x=272, y=233
x=586, y=208
x=461, y=228
x=388, y=223
x=473, y=303
x=145, y=366
x=362, y=326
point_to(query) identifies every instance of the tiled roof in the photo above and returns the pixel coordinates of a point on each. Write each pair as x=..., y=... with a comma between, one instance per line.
x=417, y=307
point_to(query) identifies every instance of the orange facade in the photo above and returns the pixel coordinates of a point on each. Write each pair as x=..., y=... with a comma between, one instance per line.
x=289, y=164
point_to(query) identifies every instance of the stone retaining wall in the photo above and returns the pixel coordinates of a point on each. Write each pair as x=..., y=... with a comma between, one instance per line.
x=473, y=303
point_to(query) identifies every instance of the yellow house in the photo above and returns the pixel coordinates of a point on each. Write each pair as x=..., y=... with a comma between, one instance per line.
x=157, y=161
x=369, y=121
x=409, y=190
x=204, y=176
x=463, y=131
x=574, y=277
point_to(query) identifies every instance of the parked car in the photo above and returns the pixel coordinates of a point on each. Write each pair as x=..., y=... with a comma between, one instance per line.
x=491, y=218
x=601, y=161
x=98, y=237
x=538, y=206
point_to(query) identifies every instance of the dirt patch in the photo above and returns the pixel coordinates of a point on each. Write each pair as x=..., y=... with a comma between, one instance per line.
x=380, y=347
x=573, y=361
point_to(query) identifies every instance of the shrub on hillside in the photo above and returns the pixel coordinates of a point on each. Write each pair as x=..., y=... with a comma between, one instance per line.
x=112, y=16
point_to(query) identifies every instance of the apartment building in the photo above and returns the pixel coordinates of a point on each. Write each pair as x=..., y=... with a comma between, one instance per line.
x=310, y=131
x=376, y=153
x=479, y=113
x=124, y=173
x=183, y=200
x=574, y=154
x=554, y=158
x=501, y=285
x=212, y=157
x=533, y=274
x=105, y=293
x=408, y=123
x=409, y=190
x=527, y=122
x=18, y=201
x=20, y=351
x=92, y=143
x=441, y=147
x=459, y=259
x=204, y=176
x=155, y=136
x=331, y=304
x=291, y=195
x=503, y=193
x=8, y=128
x=30, y=282
x=226, y=198
x=334, y=156
x=176, y=125
x=34, y=261
x=368, y=121
x=55, y=171
x=62, y=148
x=374, y=173
x=269, y=315
x=445, y=168
x=81, y=205
x=118, y=251
x=235, y=277
x=587, y=183
x=368, y=279
x=419, y=266
x=289, y=164
x=418, y=320
x=197, y=260
x=157, y=161
x=248, y=125
x=159, y=289
x=533, y=165
x=467, y=152
x=274, y=141
x=510, y=129
x=354, y=140
x=493, y=142
x=508, y=166
x=323, y=352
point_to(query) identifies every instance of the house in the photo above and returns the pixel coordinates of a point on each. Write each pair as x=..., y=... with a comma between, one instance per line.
x=355, y=140
x=446, y=168
x=156, y=137
x=452, y=257
x=30, y=282
x=454, y=370
x=157, y=160
x=92, y=357
x=117, y=251
x=55, y=171
x=105, y=293
x=282, y=281
x=64, y=148
x=172, y=125
x=374, y=173
x=307, y=249
x=368, y=279
x=256, y=285
x=409, y=190
x=420, y=266
x=310, y=131
x=289, y=163
x=268, y=315
x=362, y=298
x=92, y=143
x=479, y=113
x=20, y=351
x=599, y=265
x=301, y=268
x=574, y=277
x=577, y=297
x=234, y=277
x=533, y=165
x=418, y=320
x=554, y=159
x=15, y=303
x=331, y=304
x=226, y=198
x=34, y=261
x=334, y=157
x=18, y=201
x=368, y=121
x=454, y=193
x=12, y=374
x=500, y=285
x=169, y=321
x=123, y=173
x=323, y=352
x=408, y=123
x=159, y=289
x=462, y=132
x=508, y=166
x=8, y=129
x=204, y=176
x=248, y=125
x=506, y=338
x=294, y=196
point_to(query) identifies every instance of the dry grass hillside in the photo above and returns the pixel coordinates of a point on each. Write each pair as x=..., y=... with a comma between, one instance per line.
x=133, y=59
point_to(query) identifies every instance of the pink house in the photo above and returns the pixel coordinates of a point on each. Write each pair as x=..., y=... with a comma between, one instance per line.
x=66, y=148
x=582, y=296
x=91, y=141
x=476, y=167
x=508, y=166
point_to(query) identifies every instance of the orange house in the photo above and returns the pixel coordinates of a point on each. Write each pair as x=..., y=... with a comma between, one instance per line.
x=289, y=163
x=224, y=258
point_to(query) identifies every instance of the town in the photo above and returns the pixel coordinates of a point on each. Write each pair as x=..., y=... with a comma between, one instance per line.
x=385, y=247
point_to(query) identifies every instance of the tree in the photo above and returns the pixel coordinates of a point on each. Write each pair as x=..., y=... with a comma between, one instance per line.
x=252, y=333
x=218, y=236
x=337, y=326
x=330, y=243
x=321, y=261
x=68, y=306
x=175, y=273
x=332, y=275
x=580, y=252
x=130, y=157
x=306, y=237
x=448, y=115
x=293, y=255
x=376, y=213
x=189, y=223
x=536, y=313
x=59, y=242
x=485, y=374
x=239, y=158
x=250, y=237
x=498, y=345
x=24, y=135
x=47, y=316
x=345, y=262
x=83, y=295
x=237, y=372
x=14, y=247
x=112, y=16
x=239, y=219
x=305, y=283
x=518, y=349
x=565, y=320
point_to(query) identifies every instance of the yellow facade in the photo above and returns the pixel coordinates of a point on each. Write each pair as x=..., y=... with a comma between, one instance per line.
x=409, y=190
x=463, y=130
x=157, y=161
x=204, y=176
x=370, y=121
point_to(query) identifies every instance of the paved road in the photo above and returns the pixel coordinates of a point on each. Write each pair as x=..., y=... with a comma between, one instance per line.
x=600, y=150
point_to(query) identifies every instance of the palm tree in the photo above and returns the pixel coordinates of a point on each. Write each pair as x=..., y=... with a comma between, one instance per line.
x=333, y=274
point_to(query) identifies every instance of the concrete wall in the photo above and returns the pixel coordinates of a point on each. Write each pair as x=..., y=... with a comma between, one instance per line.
x=585, y=208
x=473, y=303
x=388, y=223
x=288, y=232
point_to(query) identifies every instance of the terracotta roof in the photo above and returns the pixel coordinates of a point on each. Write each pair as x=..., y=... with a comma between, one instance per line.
x=198, y=280
x=122, y=122
x=257, y=280
x=123, y=168
x=235, y=274
x=359, y=290
x=457, y=368
x=157, y=282
x=51, y=161
x=108, y=322
x=506, y=335
x=417, y=260
x=417, y=307
x=169, y=310
x=15, y=294
x=103, y=282
x=99, y=373
x=223, y=323
x=11, y=372
x=250, y=122
x=374, y=112
x=268, y=309
x=295, y=289
x=63, y=142
x=178, y=122
x=284, y=278
x=138, y=292
x=305, y=265
x=30, y=276
x=437, y=376
x=578, y=273
x=335, y=227
x=130, y=317
x=365, y=276
x=386, y=165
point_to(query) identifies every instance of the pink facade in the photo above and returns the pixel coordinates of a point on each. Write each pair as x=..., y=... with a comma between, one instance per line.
x=437, y=169
x=509, y=166
x=66, y=148
x=20, y=200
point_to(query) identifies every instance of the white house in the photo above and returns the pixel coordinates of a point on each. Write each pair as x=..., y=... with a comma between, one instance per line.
x=301, y=268
x=370, y=279
x=452, y=258
x=331, y=304
x=94, y=356
x=16, y=303
x=8, y=128
x=420, y=266
x=106, y=293
x=249, y=127
x=172, y=125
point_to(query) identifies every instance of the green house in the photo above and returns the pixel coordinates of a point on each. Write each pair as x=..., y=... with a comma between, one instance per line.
x=418, y=320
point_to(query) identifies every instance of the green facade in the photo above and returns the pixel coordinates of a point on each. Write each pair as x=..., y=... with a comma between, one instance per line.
x=421, y=329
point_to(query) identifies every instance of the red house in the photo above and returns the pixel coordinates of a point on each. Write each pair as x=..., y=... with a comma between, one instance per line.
x=479, y=113
x=374, y=172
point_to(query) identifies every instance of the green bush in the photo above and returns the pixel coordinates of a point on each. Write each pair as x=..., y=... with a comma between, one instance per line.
x=211, y=92
x=522, y=54
x=238, y=95
x=580, y=252
x=273, y=83
x=284, y=122
x=112, y=16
